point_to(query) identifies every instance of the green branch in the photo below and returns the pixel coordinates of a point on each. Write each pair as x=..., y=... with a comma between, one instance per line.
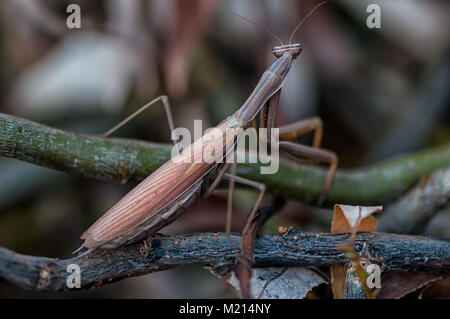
x=125, y=159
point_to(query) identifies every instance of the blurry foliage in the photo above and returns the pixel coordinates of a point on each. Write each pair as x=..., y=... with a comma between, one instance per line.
x=380, y=93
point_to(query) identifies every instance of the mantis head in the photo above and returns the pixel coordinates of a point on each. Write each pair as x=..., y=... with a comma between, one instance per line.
x=295, y=49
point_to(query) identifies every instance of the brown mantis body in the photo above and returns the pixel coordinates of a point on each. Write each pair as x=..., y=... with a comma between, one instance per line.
x=165, y=194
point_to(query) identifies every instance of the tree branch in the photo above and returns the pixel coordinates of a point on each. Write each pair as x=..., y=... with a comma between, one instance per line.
x=122, y=160
x=413, y=210
x=390, y=251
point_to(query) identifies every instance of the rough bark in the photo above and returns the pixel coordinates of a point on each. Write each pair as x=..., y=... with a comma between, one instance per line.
x=390, y=251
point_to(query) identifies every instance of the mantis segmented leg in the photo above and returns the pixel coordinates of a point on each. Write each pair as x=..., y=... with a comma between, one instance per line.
x=259, y=186
x=297, y=129
x=304, y=153
x=220, y=176
x=230, y=198
x=232, y=178
x=299, y=152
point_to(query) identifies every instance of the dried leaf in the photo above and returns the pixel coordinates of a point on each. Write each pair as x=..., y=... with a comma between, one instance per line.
x=399, y=284
x=338, y=274
x=437, y=290
x=281, y=283
x=349, y=218
x=346, y=219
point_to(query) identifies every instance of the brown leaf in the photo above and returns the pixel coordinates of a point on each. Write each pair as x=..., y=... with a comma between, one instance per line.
x=437, y=290
x=346, y=219
x=399, y=284
x=338, y=274
x=349, y=218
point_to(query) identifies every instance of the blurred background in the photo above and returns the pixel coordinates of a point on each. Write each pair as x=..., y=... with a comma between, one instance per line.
x=380, y=92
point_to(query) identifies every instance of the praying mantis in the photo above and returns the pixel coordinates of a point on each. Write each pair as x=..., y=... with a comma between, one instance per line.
x=169, y=191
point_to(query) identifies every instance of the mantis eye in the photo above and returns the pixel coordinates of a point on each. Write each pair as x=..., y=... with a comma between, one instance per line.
x=295, y=49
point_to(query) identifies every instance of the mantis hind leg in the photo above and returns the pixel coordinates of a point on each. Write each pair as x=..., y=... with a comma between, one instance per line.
x=232, y=178
x=258, y=186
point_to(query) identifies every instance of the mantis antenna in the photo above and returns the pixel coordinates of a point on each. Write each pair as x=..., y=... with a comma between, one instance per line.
x=304, y=19
x=258, y=25
x=270, y=32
